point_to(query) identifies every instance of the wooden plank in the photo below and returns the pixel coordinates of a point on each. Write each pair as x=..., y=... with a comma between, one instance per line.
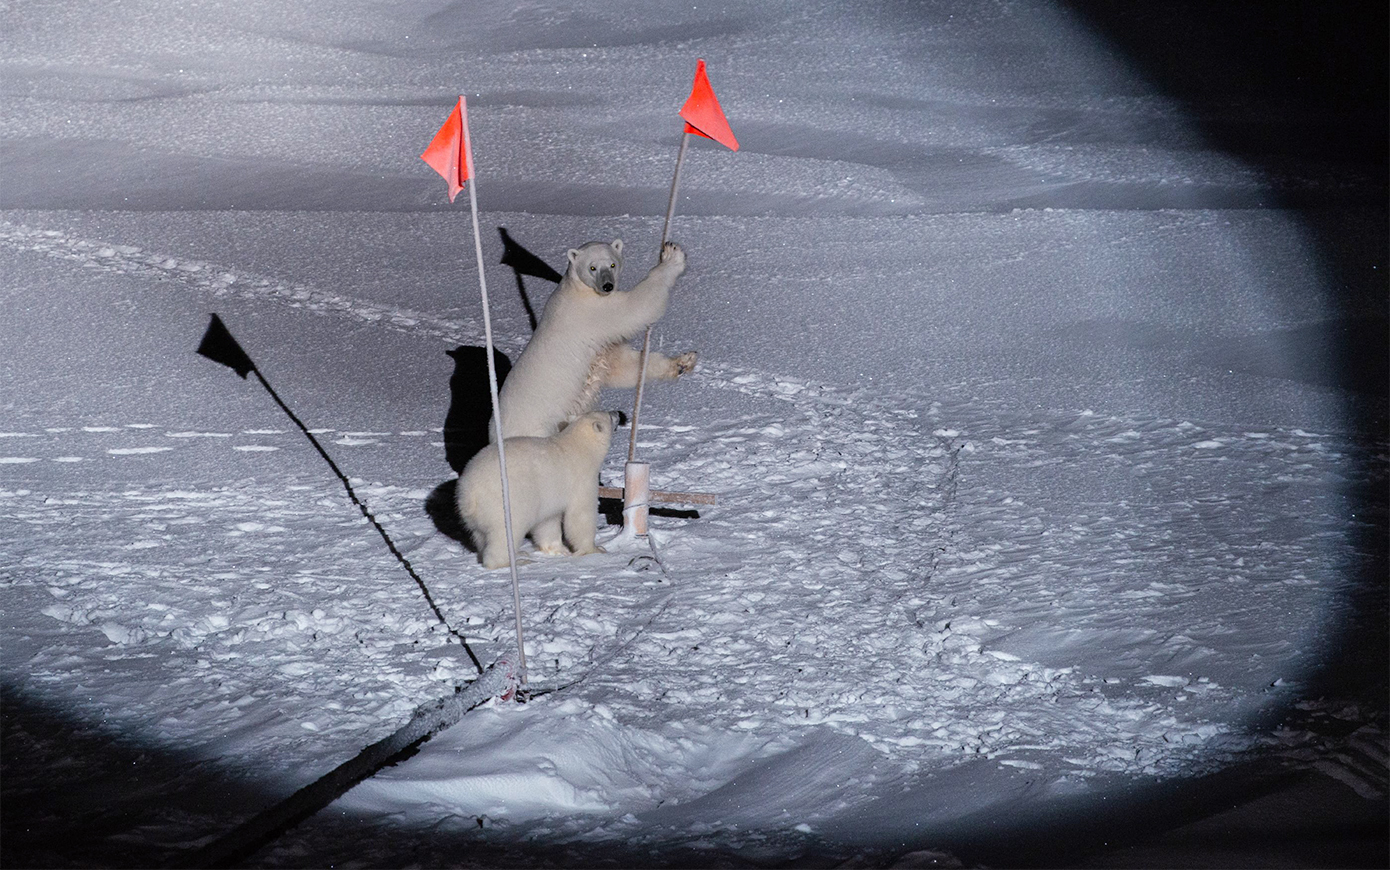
x=663, y=496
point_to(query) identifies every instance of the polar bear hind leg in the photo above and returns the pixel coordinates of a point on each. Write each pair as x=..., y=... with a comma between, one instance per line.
x=494, y=553
x=548, y=538
x=491, y=544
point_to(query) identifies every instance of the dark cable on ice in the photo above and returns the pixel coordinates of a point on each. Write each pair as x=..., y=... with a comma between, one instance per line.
x=429, y=719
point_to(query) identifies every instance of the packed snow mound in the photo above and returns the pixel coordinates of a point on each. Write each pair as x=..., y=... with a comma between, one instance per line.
x=553, y=758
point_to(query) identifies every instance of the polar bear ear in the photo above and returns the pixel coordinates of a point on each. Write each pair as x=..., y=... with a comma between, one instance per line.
x=617, y=245
x=572, y=254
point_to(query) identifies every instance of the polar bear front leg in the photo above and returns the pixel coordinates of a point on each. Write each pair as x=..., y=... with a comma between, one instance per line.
x=493, y=552
x=625, y=361
x=673, y=254
x=581, y=525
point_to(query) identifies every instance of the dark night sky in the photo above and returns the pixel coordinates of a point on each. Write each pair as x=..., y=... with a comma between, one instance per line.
x=1322, y=62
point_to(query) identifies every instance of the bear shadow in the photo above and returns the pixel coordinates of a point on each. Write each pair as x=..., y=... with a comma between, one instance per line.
x=465, y=431
x=443, y=512
x=470, y=402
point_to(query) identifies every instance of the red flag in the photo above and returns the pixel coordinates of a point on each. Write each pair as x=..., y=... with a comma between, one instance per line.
x=450, y=153
x=702, y=114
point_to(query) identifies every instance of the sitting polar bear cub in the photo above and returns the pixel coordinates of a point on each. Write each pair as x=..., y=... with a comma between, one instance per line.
x=581, y=343
x=554, y=490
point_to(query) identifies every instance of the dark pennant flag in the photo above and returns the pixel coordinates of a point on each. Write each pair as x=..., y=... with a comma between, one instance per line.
x=523, y=261
x=219, y=346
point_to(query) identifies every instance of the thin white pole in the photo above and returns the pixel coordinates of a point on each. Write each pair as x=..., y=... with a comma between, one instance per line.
x=675, y=185
x=636, y=497
x=647, y=338
x=492, y=385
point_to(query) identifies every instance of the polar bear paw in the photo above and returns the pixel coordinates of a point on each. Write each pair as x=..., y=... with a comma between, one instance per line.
x=685, y=363
x=674, y=254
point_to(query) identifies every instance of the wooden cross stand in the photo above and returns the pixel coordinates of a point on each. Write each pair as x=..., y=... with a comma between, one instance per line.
x=637, y=496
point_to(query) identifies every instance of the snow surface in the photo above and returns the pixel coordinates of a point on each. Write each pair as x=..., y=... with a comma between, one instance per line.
x=1037, y=479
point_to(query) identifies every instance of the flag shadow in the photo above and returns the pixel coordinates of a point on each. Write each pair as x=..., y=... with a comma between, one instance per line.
x=221, y=347
x=523, y=262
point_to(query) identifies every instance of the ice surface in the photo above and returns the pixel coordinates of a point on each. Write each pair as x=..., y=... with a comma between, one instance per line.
x=1041, y=468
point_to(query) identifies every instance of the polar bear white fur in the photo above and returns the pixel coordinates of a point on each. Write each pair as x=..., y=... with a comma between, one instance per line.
x=581, y=343
x=553, y=484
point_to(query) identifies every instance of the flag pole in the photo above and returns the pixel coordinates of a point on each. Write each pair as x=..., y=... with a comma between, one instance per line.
x=703, y=117
x=647, y=338
x=467, y=147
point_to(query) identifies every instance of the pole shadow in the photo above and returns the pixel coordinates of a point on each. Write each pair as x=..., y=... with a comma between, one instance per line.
x=612, y=510
x=219, y=345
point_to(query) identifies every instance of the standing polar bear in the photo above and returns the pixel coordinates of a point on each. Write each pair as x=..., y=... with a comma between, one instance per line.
x=581, y=343
x=553, y=484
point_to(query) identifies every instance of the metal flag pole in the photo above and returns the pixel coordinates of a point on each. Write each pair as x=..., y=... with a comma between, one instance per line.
x=647, y=338
x=703, y=117
x=467, y=147
x=637, y=475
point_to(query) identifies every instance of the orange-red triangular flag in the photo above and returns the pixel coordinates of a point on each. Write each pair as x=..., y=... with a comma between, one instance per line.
x=450, y=153
x=702, y=114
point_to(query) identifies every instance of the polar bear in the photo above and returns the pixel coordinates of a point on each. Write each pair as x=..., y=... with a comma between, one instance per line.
x=553, y=485
x=581, y=343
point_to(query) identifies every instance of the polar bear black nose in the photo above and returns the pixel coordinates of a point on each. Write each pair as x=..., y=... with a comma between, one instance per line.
x=607, y=286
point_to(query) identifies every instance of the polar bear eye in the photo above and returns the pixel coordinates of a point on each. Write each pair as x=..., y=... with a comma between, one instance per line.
x=593, y=268
x=612, y=265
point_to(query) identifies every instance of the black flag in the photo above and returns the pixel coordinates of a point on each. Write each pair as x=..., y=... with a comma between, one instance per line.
x=523, y=262
x=219, y=346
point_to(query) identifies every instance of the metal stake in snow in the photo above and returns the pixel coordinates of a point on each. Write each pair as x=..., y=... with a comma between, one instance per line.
x=703, y=117
x=450, y=154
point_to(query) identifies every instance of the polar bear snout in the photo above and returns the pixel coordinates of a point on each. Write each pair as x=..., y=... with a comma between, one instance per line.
x=602, y=279
x=606, y=281
x=618, y=417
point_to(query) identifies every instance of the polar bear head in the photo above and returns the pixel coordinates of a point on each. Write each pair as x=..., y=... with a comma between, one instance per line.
x=597, y=265
x=589, y=435
x=596, y=424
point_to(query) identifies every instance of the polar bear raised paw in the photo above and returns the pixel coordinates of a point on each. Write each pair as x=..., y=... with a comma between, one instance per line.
x=673, y=253
x=685, y=363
